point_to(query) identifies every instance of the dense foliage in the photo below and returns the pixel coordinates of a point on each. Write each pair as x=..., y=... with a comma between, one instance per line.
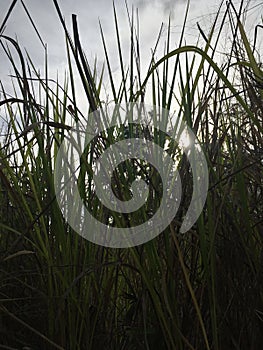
x=200, y=290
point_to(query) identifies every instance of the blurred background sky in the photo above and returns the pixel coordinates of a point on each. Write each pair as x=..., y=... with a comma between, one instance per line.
x=151, y=14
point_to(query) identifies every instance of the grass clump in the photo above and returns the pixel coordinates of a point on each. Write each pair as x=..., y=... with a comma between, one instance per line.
x=200, y=290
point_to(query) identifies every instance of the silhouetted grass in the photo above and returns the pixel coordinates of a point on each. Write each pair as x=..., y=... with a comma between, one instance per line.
x=200, y=290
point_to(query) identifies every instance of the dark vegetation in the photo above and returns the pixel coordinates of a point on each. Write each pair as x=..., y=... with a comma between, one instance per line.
x=200, y=290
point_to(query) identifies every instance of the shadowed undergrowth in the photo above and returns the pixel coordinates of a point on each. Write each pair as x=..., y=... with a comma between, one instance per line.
x=200, y=290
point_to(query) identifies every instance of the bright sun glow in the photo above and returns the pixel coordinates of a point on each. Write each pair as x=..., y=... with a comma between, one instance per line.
x=185, y=140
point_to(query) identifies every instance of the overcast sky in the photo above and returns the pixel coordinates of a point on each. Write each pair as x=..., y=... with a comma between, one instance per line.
x=151, y=13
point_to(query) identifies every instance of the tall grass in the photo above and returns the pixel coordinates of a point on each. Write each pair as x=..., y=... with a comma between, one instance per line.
x=200, y=290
